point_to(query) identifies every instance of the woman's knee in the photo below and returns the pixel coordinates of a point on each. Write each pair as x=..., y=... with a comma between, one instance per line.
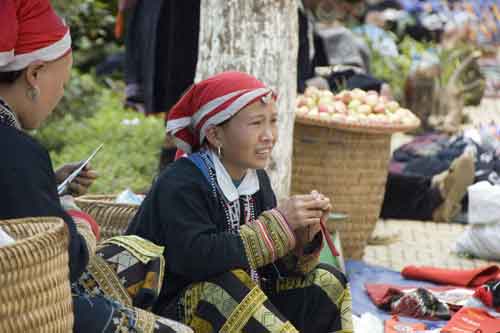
x=331, y=281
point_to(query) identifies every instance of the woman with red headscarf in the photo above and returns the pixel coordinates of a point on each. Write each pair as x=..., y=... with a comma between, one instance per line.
x=236, y=261
x=35, y=64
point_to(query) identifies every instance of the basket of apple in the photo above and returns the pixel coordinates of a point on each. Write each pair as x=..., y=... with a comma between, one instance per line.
x=355, y=110
x=341, y=147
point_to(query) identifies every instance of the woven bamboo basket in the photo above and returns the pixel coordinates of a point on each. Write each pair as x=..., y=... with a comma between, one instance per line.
x=113, y=218
x=348, y=166
x=35, y=293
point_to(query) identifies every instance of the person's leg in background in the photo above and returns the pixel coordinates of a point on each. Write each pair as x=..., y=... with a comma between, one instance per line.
x=140, y=22
x=409, y=197
x=176, y=57
x=437, y=198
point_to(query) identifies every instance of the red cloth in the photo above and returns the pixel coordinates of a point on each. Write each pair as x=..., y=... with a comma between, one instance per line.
x=381, y=294
x=489, y=294
x=30, y=30
x=210, y=103
x=466, y=278
x=431, y=303
x=78, y=214
x=472, y=320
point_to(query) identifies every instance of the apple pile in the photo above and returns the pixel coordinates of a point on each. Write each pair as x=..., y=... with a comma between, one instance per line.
x=356, y=107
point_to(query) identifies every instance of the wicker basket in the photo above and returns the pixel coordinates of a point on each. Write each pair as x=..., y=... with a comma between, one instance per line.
x=348, y=166
x=35, y=293
x=113, y=218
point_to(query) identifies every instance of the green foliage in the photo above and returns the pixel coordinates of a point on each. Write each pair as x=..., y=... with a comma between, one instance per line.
x=129, y=157
x=395, y=70
x=451, y=59
x=81, y=96
x=91, y=23
x=90, y=113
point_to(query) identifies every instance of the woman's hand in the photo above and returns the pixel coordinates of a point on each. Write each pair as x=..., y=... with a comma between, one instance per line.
x=301, y=211
x=326, y=209
x=80, y=185
x=305, y=235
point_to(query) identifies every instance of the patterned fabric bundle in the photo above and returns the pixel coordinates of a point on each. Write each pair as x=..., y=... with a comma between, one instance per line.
x=126, y=276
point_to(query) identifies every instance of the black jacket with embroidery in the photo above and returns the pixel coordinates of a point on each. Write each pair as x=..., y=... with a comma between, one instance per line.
x=181, y=213
x=28, y=189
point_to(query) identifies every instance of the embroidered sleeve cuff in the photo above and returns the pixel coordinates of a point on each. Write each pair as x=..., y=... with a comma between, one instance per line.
x=267, y=239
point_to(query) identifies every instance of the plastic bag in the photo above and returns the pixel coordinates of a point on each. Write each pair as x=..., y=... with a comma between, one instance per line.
x=481, y=241
x=484, y=203
x=5, y=238
x=368, y=323
x=130, y=198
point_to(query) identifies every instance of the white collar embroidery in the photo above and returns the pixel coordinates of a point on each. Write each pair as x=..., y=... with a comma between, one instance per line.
x=248, y=186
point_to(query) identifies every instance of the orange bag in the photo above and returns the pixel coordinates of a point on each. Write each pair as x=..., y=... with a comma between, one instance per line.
x=395, y=326
x=472, y=320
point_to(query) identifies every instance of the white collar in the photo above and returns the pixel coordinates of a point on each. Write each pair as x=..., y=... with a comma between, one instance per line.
x=248, y=186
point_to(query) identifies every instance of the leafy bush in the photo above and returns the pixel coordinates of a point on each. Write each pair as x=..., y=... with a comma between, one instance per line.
x=129, y=157
x=395, y=70
x=92, y=24
x=81, y=96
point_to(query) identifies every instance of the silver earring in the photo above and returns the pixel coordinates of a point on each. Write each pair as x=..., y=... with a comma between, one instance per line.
x=219, y=151
x=33, y=93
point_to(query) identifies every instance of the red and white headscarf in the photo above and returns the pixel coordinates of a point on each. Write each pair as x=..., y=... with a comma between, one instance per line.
x=210, y=103
x=30, y=30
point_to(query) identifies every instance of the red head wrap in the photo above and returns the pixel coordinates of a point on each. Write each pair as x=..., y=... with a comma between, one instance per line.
x=209, y=103
x=30, y=30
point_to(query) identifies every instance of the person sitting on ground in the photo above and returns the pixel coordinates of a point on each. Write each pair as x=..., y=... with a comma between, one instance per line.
x=35, y=65
x=438, y=198
x=237, y=261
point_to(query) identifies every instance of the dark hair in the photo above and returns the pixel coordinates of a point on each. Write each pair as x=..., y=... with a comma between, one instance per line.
x=10, y=77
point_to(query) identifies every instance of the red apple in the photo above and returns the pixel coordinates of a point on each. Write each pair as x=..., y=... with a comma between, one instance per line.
x=358, y=94
x=392, y=106
x=301, y=101
x=364, y=109
x=338, y=117
x=354, y=105
x=311, y=92
x=338, y=97
x=326, y=94
x=383, y=99
x=371, y=100
x=325, y=108
x=379, y=108
x=352, y=118
x=346, y=97
x=313, y=113
x=302, y=111
x=340, y=107
x=310, y=102
x=324, y=115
